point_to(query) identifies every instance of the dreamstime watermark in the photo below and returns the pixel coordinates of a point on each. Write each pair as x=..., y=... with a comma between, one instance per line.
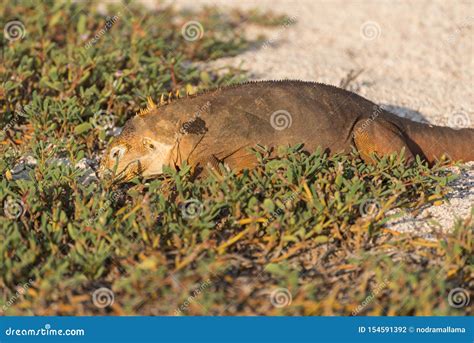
x=109, y=22
x=113, y=198
x=459, y=297
x=276, y=35
x=377, y=110
x=279, y=211
x=9, y=125
x=13, y=207
x=14, y=30
x=370, y=30
x=103, y=297
x=46, y=331
x=281, y=120
x=192, y=298
x=20, y=292
x=459, y=120
x=369, y=208
x=19, y=112
x=187, y=125
x=281, y=297
x=191, y=208
x=192, y=31
x=378, y=288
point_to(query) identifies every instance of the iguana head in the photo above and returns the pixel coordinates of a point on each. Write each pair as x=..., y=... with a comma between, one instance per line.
x=143, y=148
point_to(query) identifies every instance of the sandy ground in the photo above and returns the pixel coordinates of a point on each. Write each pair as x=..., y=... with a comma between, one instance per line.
x=415, y=57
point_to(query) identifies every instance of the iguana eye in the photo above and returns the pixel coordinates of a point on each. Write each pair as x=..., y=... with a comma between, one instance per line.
x=117, y=152
x=149, y=143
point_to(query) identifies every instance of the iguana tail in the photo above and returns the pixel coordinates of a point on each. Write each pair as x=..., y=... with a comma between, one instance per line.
x=432, y=142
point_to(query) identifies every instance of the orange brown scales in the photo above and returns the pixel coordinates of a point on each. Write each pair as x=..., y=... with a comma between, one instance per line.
x=218, y=126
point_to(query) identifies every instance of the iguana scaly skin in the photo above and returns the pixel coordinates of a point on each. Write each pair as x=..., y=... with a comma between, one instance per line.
x=220, y=125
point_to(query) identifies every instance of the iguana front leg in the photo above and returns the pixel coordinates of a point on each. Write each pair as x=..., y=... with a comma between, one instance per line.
x=204, y=164
x=237, y=160
x=380, y=138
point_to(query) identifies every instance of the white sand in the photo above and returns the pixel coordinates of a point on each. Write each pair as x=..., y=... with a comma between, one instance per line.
x=416, y=56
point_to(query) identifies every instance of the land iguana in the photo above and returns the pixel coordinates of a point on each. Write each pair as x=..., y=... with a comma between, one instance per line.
x=218, y=126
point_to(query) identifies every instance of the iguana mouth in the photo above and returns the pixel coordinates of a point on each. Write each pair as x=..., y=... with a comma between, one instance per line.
x=131, y=170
